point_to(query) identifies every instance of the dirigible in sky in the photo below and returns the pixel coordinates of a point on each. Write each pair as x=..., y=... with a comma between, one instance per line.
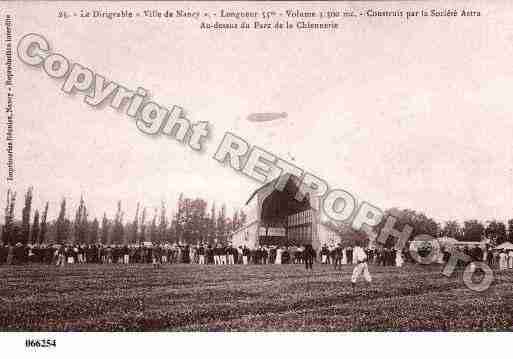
x=266, y=116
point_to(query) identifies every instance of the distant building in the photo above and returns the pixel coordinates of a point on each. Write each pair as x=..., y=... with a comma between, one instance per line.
x=276, y=218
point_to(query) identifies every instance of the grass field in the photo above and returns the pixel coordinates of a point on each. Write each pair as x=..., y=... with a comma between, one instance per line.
x=242, y=298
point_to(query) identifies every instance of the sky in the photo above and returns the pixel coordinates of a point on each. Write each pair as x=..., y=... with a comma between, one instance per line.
x=400, y=113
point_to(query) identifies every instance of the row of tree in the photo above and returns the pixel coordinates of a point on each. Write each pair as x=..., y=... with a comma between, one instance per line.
x=191, y=223
x=470, y=230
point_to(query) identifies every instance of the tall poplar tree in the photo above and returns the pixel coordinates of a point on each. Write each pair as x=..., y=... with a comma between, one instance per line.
x=8, y=229
x=104, y=237
x=94, y=231
x=81, y=224
x=34, y=237
x=44, y=226
x=25, y=217
x=117, y=229
x=61, y=226
x=135, y=226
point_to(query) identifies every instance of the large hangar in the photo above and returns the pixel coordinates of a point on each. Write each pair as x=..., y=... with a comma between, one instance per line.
x=276, y=217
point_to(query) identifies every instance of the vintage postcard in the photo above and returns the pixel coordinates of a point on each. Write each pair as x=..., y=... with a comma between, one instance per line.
x=255, y=167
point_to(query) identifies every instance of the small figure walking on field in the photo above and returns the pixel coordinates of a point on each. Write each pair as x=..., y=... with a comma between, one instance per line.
x=399, y=261
x=308, y=256
x=361, y=267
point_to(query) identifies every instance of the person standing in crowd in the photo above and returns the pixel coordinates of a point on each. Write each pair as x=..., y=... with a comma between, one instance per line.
x=80, y=254
x=101, y=254
x=279, y=252
x=217, y=259
x=349, y=254
x=145, y=254
x=503, y=260
x=368, y=252
x=245, y=255
x=164, y=252
x=389, y=260
x=344, y=256
x=496, y=256
x=336, y=256
x=386, y=257
x=258, y=255
x=379, y=255
x=252, y=258
x=272, y=255
x=240, y=255
x=69, y=254
x=324, y=255
x=222, y=255
x=355, y=260
x=298, y=255
x=201, y=254
x=61, y=256
x=209, y=257
x=285, y=256
x=292, y=252
x=185, y=254
x=265, y=255
x=230, y=255
x=155, y=258
x=134, y=253
x=361, y=266
x=489, y=257
x=308, y=256
x=510, y=259
x=126, y=254
x=178, y=254
x=192, y=254
x=109, y=254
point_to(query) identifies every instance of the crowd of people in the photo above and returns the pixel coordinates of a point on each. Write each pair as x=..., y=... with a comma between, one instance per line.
x=380, y=256
x=501, y=259
x=496, y=258
x=62, y=255
x=227, y=255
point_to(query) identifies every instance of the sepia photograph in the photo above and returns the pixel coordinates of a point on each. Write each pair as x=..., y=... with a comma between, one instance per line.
x=304, y=168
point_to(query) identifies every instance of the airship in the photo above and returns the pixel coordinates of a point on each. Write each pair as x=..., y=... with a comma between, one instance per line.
x=266, y=116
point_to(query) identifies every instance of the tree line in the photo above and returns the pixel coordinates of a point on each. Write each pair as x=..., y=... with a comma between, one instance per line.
x=471, y=230
x=191, y=223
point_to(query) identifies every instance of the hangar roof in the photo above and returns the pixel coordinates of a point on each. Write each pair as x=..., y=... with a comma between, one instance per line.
x=296, y=181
